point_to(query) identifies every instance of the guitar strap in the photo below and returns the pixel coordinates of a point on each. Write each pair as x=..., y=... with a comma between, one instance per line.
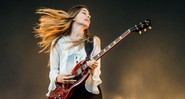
x=89, y=47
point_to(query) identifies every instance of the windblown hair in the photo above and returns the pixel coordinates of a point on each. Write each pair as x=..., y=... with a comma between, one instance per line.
x=54, y=24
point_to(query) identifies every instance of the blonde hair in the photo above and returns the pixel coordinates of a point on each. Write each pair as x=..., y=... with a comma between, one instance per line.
x=53, y=24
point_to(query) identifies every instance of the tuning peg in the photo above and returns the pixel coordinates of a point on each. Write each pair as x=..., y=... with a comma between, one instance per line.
x=144, y=30
x=150, y=27
x=140, y=32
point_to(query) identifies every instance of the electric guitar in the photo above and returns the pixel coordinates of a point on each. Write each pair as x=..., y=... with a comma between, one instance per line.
x=81, y=71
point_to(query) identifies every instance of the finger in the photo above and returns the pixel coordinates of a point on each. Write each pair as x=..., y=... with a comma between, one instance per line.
x=88, y=64
x=95, y=63
x=69, y=81
x=94, y=66
x=68, y=77
x=68, y=74
x=91, y=67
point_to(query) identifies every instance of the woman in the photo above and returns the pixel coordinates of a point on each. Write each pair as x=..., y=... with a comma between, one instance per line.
x=63, y=35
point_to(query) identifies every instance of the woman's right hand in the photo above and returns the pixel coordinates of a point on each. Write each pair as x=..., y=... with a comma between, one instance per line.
x=65, y=78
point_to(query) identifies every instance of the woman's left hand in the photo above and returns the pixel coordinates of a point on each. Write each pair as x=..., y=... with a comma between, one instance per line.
x=92, y=65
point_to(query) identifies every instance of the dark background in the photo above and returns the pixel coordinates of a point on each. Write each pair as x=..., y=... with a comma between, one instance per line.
x=147, y=66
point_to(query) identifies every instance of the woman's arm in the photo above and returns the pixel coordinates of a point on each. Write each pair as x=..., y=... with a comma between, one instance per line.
x=54, y=67
x=54, y=62
x=97, y=48
x=94, y=79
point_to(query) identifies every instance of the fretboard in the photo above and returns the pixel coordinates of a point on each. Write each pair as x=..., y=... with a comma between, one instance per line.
x=111, y=45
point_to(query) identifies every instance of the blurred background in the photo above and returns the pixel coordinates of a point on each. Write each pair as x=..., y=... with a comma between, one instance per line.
x=147, y=66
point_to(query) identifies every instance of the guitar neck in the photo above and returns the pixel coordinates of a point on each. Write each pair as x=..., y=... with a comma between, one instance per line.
x=111, y=45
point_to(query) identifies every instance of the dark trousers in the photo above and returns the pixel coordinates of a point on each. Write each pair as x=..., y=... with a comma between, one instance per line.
x=82, y=93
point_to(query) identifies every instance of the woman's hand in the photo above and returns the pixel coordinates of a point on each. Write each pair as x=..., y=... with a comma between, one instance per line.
x=92, y=65
x=65, y=78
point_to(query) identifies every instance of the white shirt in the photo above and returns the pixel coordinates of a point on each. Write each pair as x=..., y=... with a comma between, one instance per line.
x=63, y=60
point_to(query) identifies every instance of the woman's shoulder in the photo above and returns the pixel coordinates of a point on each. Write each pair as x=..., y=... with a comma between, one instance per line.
x=97, y=39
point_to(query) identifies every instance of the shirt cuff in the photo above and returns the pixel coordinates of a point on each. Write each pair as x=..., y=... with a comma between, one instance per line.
x=92, y=83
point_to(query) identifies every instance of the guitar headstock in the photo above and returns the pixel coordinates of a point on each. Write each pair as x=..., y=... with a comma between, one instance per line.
x=142, y=26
